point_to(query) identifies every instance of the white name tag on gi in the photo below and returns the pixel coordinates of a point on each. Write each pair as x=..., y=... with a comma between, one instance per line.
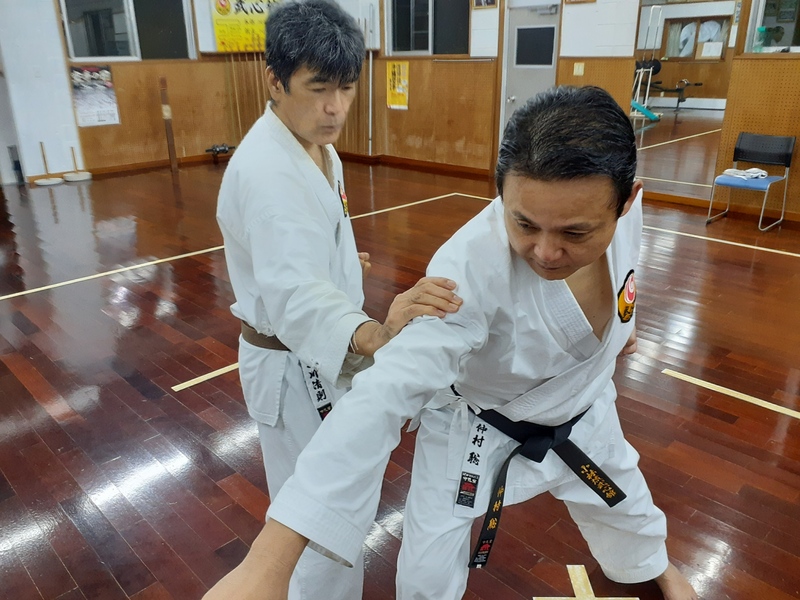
x=320, y=395
x=473, y=468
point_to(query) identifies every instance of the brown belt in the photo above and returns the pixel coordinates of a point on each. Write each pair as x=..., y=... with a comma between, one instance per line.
x=259, y=340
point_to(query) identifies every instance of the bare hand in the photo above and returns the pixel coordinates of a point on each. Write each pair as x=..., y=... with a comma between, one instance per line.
x=363, y=258
x=631, y=345
x=431, y=296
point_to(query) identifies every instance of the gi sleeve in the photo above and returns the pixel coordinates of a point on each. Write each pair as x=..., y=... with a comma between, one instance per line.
x=333, y=495
x=292, y=252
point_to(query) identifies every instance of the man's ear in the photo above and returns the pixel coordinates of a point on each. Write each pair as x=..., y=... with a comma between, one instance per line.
x=637, y=188
x=274, y=85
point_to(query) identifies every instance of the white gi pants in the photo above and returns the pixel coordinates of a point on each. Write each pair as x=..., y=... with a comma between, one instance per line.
x=316, y=577
x=628, y=541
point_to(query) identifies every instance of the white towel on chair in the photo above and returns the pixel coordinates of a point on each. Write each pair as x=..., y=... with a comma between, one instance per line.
x=753, y=173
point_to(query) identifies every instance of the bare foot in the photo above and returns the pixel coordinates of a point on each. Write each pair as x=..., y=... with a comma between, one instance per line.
x=674, y=585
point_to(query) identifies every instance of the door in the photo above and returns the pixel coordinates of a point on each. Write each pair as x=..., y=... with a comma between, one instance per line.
x=531, y=53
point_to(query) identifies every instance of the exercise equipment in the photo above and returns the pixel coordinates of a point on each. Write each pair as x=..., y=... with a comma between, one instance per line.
x=649, y=114
x=680, y=89
x=645, y=69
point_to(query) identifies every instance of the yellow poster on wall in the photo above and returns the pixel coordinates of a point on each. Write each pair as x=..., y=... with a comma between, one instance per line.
x=397, y=85
x=239, y=25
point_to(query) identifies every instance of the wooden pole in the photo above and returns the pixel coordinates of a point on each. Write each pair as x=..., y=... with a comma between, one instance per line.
x=256, y=90
x=166, y=112
x=229, y=88
x=44, y=158
x=236, y=94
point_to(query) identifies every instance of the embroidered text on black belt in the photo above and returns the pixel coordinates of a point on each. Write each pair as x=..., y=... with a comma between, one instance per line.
x=535, y=441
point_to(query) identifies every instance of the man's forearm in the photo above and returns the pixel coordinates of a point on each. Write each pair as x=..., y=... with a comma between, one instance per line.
x=278, y=548
x=265, y=572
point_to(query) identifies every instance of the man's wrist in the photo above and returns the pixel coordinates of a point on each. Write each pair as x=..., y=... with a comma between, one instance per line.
x=366, y=339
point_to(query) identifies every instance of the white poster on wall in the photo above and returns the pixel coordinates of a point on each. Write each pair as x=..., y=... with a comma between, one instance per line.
x=94, y=97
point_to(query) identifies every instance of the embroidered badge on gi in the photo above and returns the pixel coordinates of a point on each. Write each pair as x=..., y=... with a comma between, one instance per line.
x=343, y=197
x=482, y=555
x=467, y=489
x=626, y=299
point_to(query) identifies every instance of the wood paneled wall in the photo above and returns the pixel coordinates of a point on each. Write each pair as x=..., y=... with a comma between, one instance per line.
x=450, y=121
x=451, y=116
x=612, y=74
x=763, y=98
x=214, y=100
x=354, y=138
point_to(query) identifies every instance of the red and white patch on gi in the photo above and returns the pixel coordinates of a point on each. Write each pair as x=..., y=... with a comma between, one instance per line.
x=626, y=298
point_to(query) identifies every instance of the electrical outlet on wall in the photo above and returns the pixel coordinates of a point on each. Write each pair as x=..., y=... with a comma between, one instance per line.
x=577, y=69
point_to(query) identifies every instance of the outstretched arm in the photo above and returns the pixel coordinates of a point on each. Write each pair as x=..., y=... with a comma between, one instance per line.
x=333, y=495
x=265, y=572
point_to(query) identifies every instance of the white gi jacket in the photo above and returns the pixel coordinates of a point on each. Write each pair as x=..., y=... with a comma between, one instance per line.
x=519, y=344
x=291, y=256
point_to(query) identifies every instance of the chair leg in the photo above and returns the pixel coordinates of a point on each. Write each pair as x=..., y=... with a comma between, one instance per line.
x=711, y=219
x=764, y=206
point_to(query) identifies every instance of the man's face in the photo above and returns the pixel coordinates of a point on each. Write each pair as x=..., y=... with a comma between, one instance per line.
x=314, y=110
x=559, y=227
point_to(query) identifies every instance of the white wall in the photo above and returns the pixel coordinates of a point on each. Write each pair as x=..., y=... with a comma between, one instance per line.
x=38, y=86
x=206, y=41
x=602, y=28
x=485, y=34
x=8, y=133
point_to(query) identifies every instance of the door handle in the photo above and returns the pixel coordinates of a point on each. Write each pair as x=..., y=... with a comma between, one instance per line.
x=511, y=99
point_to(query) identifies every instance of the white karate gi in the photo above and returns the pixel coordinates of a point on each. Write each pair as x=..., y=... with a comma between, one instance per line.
x=294, y=268
x=520, y=345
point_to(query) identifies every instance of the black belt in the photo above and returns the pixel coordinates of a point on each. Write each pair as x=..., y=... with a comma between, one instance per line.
x=535, y=441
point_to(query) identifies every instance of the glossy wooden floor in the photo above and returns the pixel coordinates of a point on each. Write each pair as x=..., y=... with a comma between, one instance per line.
x=114, y=486
x=678, y=154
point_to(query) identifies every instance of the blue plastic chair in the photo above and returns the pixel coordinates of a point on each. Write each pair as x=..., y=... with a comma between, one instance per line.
x=759, y=149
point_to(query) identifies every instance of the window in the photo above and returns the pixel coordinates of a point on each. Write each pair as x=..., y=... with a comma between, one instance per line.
x=128, y=29
x=535, y=46
x=774, y=25
x=430, y=26
x=685, y=36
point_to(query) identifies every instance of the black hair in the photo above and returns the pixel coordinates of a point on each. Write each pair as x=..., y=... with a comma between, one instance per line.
x=317, y=34
x=567, y=133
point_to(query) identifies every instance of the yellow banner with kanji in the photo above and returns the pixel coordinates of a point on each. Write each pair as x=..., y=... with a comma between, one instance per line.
x=397, y=85
x=239, y=25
